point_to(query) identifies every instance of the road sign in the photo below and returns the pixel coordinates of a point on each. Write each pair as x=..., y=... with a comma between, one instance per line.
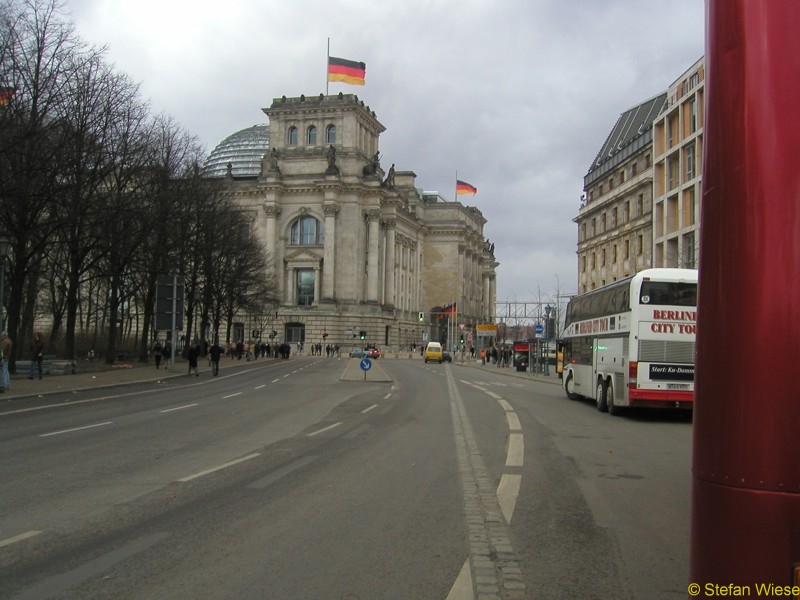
x=539, y=328
x=365, y=364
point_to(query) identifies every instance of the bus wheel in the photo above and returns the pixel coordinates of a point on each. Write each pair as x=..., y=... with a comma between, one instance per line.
x=569, y=387
x=601, y=395
x=613, y=409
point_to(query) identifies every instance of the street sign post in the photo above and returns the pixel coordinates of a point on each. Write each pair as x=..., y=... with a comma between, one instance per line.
x=366, y=365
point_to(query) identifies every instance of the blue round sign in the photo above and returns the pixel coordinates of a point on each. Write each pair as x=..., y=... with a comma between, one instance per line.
x=365, y=364
x=539, y=328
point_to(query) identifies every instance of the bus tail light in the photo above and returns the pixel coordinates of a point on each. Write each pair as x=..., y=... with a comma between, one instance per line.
x=633, y=373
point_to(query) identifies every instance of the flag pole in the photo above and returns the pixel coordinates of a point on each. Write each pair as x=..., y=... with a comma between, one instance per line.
x=327, y=65
x=455, y=188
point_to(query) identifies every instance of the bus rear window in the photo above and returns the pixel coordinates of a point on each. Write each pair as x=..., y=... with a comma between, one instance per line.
x=668, y=293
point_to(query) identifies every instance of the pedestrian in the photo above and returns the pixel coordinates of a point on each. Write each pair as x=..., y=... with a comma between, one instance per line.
x=157, y=350
x=167, y=353
x=37, y=354
x=194, y=352
x=214, y=354
x=5, y=356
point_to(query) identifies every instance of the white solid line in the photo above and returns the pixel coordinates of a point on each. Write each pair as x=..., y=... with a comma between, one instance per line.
x=18, y=538
x=516, y=448
x=166, y=410
x=232, y=395
x=324, y=429
x=75, y=429
x=219, y=468
x=369, y=408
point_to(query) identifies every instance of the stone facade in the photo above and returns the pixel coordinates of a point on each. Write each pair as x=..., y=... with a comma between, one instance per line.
x=357, y=246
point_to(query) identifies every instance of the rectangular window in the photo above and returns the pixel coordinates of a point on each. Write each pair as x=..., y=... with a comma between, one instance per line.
x=690, y=162
x=627, y=249
x=640, y=205
x=304, y=286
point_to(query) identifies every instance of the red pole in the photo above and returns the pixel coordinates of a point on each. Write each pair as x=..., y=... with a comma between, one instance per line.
x=746, y=462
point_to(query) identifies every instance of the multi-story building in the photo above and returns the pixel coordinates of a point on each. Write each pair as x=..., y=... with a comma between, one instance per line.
x=641, y=202
x=614, y=222
x=356, y=247
x=678, y=152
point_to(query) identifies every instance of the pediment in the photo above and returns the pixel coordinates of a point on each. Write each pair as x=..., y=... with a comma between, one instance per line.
x=302, y=256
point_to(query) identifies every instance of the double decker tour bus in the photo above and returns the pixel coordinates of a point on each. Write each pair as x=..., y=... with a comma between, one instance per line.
x=631, y=343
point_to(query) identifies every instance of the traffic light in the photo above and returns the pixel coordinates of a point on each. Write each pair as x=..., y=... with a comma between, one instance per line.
x=362, y=334
x=461, y=339
x=421, y=317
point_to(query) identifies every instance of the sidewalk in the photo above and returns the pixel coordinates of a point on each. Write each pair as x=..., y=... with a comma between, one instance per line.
x=97, y=375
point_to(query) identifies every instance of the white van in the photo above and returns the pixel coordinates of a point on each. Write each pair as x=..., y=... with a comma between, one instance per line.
x=433, y=351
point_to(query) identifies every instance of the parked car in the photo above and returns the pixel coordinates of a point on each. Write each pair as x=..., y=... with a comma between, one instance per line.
x=446, y=356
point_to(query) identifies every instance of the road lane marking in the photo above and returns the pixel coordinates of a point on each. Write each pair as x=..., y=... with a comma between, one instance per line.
x=387, y=396
x=507, y=493
x=166, y=410
x=75, y=429
x=369, y=408
x=18, y=538
x=275, y=380
x=323, y=430
x=516, y=448
x=219, y=467
x=513, y=421
x=231, y=395
x=260, y=386
x=489, y=536
x=506, y=406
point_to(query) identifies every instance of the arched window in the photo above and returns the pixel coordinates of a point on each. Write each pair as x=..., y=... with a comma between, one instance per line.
x=293, y=136
x=311, y=138
x=307, y=231
x=330, y=134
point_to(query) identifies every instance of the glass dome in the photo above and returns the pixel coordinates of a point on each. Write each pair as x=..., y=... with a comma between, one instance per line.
x=243, y=150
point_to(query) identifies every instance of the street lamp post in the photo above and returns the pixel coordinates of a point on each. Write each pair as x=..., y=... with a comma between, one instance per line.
x=547, y=310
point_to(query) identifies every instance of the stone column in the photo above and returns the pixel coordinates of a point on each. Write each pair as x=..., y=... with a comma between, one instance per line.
x=316, y=285
x=272, y=211
x=329, y=260
x=390, y=273
x=373, y=231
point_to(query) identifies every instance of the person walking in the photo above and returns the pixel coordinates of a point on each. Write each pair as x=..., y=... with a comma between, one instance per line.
x=157, y=350
x=194, y=353
x=167, y=354
x=5, y=355
x=214, y=354
x=37, y=354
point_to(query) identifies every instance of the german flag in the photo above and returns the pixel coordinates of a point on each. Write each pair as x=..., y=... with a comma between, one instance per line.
x=462, y=187
x=346, y=71
x=5, y=94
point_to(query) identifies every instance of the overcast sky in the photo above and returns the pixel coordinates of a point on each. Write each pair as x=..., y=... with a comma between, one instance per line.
x=515, y=96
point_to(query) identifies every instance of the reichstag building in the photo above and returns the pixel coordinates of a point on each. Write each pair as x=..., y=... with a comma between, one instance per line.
x=358, y=247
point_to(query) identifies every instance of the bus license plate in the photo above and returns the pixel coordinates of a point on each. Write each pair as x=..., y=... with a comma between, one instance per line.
x=677, y=386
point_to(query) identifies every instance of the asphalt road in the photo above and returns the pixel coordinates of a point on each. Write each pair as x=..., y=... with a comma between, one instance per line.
x=298, y=479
